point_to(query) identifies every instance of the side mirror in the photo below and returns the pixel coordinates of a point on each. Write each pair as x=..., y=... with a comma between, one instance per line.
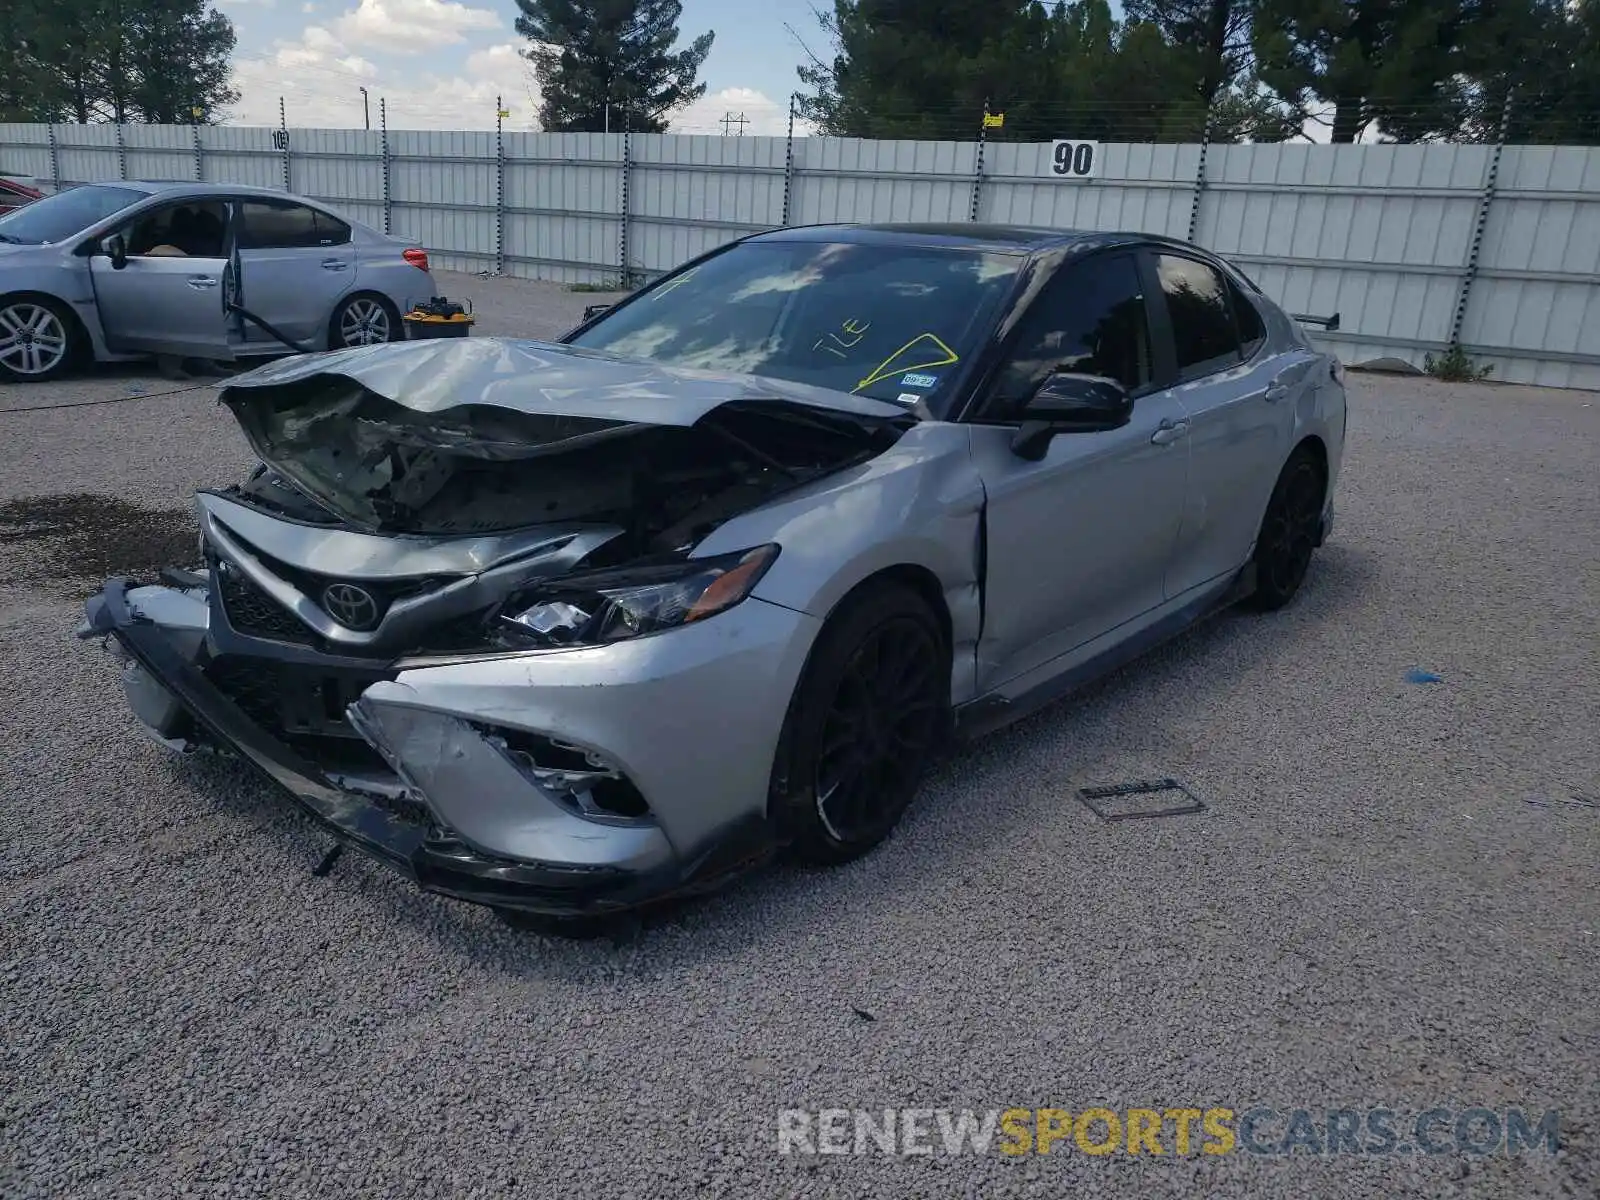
x=1070, y=403
x=117, y=250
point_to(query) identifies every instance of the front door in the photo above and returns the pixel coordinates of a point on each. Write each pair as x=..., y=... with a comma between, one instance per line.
x=167, y=298
x=295, y=262
x=1077, y=543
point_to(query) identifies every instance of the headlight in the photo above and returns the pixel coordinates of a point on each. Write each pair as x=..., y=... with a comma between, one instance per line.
x=611, y=606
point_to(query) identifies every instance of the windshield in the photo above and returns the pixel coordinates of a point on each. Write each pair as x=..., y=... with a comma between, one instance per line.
x=884, y=321
x=58, y=217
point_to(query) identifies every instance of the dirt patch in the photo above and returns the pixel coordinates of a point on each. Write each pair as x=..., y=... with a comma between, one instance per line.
x=77, y=540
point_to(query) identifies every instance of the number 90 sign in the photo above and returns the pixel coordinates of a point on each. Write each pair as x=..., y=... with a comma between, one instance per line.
x=1075, y=160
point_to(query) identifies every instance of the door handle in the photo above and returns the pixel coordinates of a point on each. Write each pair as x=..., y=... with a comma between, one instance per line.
x=1276, y=392
x=202, y=281
x=1168, y=432
x=334, y=264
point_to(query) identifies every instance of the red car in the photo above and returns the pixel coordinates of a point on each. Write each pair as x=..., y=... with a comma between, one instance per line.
x=14, y=194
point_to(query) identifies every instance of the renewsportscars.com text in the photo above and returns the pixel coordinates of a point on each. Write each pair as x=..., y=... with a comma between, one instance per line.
x=1167, y=1131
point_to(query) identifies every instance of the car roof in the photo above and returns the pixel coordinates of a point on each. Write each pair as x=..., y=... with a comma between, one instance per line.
x=1006, y=239
x=155, y=187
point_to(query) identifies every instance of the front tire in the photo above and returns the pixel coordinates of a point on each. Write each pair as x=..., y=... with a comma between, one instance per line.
x=1288, y=532
x=364, y=320
x=862, y=727
x=40, y=339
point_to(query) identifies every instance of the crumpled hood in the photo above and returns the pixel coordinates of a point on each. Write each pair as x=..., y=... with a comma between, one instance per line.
x=545, y=379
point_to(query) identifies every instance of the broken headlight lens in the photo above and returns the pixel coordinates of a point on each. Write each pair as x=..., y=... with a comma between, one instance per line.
x=612, y=606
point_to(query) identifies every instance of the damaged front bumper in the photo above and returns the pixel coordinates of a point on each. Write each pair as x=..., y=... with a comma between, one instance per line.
x=470, y=793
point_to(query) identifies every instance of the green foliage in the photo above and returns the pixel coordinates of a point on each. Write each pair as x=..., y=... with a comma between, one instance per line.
x=603, y=62
x=1437, y=69
x=924, y=68
x=114, y=60
x=1455, y=365
x=1256, y=69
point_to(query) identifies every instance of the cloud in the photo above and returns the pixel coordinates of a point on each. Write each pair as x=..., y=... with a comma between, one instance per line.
x=320, y=77
x=412, y=26
x=764, y=116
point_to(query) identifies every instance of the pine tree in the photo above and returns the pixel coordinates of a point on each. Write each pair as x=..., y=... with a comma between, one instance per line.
x=115, y=60
x=925, y=68
x=1215, y=34
x=177, y=55
x=610, y=63
x=1396, y=62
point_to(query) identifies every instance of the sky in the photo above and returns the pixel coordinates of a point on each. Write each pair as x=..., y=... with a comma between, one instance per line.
x=441, y=63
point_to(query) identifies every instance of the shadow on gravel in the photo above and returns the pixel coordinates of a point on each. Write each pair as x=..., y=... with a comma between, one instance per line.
x=75, y=541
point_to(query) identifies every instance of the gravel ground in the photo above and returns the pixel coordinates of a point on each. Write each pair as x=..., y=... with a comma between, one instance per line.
x=1391, y=901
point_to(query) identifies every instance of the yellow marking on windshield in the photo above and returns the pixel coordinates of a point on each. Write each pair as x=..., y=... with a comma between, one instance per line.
x=886, y=368
x=856, y=331
x=673, y=284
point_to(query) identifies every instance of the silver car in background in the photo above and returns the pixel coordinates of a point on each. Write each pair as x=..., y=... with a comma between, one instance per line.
x=114, y=271
x=564, y=629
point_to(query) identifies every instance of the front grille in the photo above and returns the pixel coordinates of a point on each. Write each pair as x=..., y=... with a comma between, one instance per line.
x=252, y=611
x=252, y=684
x=290, y=700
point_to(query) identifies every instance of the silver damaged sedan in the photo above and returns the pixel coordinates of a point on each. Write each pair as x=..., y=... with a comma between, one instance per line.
x=115, y=271
x=569, y=628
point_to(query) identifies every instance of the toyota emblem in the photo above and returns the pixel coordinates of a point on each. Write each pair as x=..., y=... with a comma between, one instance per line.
x=351, y=606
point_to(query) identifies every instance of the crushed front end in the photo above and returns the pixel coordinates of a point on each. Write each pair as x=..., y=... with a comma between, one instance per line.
x=472, y=647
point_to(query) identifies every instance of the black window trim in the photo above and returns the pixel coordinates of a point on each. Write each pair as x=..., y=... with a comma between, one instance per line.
x=1210, y=367
x=967, y=412
x=1240, y=296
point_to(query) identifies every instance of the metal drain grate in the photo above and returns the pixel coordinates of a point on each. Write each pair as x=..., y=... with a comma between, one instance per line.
x=1131, y=801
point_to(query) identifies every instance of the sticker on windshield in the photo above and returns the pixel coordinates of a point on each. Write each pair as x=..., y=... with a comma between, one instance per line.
x=909, y=398
x=918, y=381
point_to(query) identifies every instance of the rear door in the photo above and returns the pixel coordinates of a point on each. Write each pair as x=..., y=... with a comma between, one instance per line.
x=1240, y=414
x=168, y=297
x=295, y=263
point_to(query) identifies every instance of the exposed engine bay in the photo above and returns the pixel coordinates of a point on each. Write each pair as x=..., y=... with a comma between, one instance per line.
x=588, y=523
x=339, y=454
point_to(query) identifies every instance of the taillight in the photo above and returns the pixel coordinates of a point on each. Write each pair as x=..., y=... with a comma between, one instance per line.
x=417, y=258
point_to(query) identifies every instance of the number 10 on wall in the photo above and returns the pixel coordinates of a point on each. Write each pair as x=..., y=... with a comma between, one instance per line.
x=1074, y=160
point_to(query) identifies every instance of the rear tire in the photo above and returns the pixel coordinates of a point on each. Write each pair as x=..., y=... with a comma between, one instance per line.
x=40, y=339
x=364, y=319
x=864, y=722
x=1289, y=531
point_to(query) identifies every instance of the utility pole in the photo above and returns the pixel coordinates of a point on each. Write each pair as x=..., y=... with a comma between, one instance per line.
x=729, y=119
x=366, y=112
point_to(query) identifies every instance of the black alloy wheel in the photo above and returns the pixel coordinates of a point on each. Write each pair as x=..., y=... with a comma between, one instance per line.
x=866, y=720
x=1289, y=532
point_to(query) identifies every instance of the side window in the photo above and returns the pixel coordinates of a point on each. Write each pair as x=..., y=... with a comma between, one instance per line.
x=194, y=229
x=330, y=230
x=280, y=225
x=1090, y=319
x=1251, y=331
x=1201, y=311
